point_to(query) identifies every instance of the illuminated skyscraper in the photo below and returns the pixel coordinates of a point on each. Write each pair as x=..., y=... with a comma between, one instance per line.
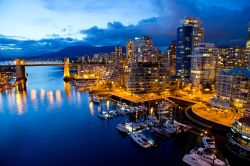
x=118, y=53
x=248, y=45
x=189, y=34
x=129, y=50
x=171, y=58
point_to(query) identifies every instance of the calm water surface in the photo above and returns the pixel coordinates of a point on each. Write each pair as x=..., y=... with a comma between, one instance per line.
x=53, y=124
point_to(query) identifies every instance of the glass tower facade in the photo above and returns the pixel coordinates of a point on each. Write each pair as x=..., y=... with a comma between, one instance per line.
x=189, y=34
x=248, y=46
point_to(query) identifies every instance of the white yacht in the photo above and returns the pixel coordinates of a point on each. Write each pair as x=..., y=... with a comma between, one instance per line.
x=208, y=142
x=112, y=112
x=127, y=127
x=121, y=112
x=105, y=115
x=208, y=156
x=174, y=127
x=194, y=160
x=140, y=139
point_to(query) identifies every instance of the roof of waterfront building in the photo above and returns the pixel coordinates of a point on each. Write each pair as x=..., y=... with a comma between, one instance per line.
x=245, y=121
x=238, y=71
x=218, y=103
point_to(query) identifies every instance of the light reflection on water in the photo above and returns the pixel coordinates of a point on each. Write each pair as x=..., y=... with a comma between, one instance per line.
x=20, y=102
x=57, y=128
x=45, y=91
x=1, y=102
x=42, y=95
x=17, y=101
x=91, y=108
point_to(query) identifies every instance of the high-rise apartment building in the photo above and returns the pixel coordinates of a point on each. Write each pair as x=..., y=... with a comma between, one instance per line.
x=189, y=34
x=233, y=87
x=118, y=53
x=203, y=66
x=233, y=57
x=171, y=59
x=147, y=70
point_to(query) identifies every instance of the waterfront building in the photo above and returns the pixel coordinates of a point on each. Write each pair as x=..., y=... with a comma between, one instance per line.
x=203, y=66
x=7, y=76
x=233, y=87
x=90, y=71
x=171, y=59
x=147, y=70
x=189, y=34
x=240, y=134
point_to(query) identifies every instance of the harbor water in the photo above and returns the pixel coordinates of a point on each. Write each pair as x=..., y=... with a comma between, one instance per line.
x=53, y=124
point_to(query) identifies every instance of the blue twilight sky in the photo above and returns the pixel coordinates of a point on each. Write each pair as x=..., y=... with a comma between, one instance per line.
x=33, y=27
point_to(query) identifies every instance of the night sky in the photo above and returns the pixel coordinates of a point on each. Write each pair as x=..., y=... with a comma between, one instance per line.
x=31, y=27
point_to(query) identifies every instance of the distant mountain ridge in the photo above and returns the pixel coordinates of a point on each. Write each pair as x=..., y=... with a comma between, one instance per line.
x=70, y=51
x=76, y=51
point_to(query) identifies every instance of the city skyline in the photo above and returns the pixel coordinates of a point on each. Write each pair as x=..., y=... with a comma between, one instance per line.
x=146, y=82
x=35, y=27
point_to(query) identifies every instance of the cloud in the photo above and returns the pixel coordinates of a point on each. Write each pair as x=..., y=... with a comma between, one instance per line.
x=117, y=33
x=25, y=48
x=225, y=23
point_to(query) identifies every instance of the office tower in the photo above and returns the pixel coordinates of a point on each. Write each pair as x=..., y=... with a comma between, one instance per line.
x=171, y=59
x=147, y=70
x=189, y=34
x=203, y=66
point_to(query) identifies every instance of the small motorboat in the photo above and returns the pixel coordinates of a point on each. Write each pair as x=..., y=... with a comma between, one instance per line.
x=174, y=127
x=141, y=139
x=208, y=142
x=121, y=112
x=194, y=160
x=112, y=112
x=105, y=115
x=127, y=127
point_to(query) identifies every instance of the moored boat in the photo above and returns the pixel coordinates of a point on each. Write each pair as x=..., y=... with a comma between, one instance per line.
x=105, y=115
x=194, y=160
x=208, y=156
x=161, y=131
x=127, y=127
x=140, y=139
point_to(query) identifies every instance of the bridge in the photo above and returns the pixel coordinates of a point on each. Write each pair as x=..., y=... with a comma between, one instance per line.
x=33, y=63
x=17, y=66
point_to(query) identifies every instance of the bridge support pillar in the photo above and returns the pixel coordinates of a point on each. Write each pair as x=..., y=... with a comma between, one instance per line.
x=66, y=70
x=20, y=75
